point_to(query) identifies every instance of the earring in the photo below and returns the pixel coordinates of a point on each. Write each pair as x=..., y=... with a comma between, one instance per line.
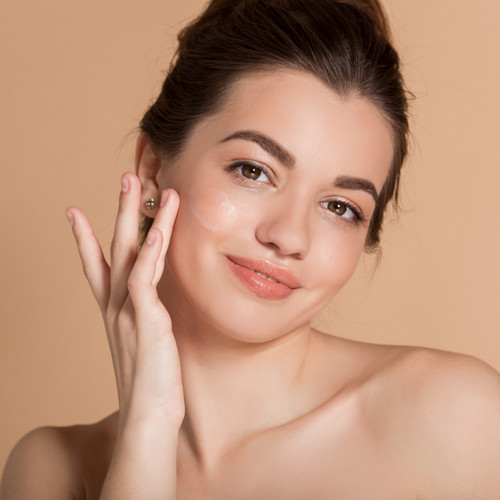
x=150, y=203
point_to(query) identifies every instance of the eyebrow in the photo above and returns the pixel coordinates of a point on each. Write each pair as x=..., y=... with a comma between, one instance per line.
x=267, y=144
x=356, y=183
x=288, y=160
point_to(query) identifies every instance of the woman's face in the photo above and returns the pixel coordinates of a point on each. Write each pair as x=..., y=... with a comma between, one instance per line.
x=281, y=182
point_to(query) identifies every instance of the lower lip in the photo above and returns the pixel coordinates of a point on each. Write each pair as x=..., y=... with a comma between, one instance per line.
x=259, y=285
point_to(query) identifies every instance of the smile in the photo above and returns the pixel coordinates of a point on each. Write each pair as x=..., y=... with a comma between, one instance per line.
x=263, y=278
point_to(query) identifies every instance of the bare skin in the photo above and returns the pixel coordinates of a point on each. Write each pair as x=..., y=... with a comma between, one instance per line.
x=231, y=394
x=358, y=444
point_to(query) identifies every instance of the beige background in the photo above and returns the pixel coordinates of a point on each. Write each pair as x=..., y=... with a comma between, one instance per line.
x=75, y=78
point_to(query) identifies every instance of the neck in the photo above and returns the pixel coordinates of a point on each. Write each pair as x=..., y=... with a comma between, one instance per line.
x=235, y=389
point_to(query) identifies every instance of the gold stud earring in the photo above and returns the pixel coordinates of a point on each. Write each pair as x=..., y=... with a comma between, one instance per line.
x=150, y=203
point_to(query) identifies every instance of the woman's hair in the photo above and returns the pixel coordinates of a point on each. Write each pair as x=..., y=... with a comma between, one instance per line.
x=345, y=43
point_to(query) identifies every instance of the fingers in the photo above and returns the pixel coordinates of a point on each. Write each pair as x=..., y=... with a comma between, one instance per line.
x=151, y=260
x=94, y=264
x=140, y=282
x=124, y=244
x=164, y=221
x=129, y=273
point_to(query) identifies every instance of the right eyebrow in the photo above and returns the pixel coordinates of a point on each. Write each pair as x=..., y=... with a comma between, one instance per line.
x=267, y=144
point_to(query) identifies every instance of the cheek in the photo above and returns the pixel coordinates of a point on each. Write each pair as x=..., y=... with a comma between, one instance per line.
x=212, y=210
x=222, y=212
x=340, y=256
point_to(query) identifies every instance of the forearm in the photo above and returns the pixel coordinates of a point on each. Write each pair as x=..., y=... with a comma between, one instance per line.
x=142, y=344
x=144, y=464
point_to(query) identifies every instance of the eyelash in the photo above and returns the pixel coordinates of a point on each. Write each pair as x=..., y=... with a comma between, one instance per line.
x=236, y=172
x=358, y=216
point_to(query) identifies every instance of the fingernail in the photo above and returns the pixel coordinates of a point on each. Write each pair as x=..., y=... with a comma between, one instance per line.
x=70, y=218
x=164, y=198
x=124, y=184
x=151, y=238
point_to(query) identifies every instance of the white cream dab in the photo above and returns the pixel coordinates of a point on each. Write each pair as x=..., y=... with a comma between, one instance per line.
x=216, y=200
x=226, y=203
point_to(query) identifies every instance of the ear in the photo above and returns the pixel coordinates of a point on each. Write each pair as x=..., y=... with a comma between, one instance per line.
x=147, y=167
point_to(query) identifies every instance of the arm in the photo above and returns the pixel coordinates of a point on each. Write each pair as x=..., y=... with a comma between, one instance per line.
x=144, y=464
x=145, y=357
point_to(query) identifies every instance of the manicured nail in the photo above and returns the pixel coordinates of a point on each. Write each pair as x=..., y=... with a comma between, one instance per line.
x=151, y=238
x=164, y=198
x=70, y=218
x=125, y=185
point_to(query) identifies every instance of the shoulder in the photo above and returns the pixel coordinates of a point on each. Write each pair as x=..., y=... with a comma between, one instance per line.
x=428, y=379
x=57, y=462
x=41, y=466
x=443, y=410
x=430, y=376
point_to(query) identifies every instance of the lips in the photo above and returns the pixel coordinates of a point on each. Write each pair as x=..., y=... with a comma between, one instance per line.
x=283, y=285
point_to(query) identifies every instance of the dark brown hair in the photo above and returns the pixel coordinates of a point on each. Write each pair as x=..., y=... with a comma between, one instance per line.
x=345, y=43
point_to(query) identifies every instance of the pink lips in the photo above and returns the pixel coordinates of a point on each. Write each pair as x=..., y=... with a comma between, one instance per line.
x=246, y=270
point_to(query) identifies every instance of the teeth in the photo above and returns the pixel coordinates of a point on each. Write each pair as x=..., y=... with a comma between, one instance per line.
x=266, y=277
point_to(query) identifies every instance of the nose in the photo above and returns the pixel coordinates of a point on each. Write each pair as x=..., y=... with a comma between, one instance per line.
x=285, y=227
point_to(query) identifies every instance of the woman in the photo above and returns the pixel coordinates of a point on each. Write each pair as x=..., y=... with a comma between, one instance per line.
x=264, y=169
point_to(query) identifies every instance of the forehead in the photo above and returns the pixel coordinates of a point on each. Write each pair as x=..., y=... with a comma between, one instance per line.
x=310, y=120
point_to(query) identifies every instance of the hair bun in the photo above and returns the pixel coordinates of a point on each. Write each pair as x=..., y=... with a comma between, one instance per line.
x=372, y=8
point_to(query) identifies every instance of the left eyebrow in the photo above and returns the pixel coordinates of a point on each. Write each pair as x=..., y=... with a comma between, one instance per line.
x=356, y=183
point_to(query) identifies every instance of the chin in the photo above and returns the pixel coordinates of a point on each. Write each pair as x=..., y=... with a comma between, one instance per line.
x=231, y=312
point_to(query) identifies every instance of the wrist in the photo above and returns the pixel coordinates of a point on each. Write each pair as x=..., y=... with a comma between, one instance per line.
x=148, y=426
x=138, y=414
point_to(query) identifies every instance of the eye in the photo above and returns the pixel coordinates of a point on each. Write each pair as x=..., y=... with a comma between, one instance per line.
x=341, y=209
x=344, y=210
x=251, y=172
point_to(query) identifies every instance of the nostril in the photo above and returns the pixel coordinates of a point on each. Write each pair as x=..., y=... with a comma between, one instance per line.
x=285, y=227
x=290, y=243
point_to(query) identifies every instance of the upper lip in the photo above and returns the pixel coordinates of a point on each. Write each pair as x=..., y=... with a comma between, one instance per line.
x=280, y=274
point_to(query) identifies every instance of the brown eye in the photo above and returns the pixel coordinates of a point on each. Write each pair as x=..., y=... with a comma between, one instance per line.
x=344, y=210
x=251, y=172
x=337, y=208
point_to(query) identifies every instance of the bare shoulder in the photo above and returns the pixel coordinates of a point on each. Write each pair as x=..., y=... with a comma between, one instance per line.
x=427, y=379
x=430, y=376
x=59, y=462
x=40, y=467
x=443, y=410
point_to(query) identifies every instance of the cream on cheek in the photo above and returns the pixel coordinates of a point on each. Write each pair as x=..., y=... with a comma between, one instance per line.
x=212, y=210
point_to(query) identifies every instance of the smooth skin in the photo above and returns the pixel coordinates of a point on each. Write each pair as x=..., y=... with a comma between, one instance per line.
x=225, y=394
